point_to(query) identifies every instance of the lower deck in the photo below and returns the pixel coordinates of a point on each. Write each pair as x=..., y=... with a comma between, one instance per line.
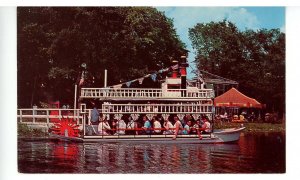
x=188, y=136
x=222, y=136
x=182, y=139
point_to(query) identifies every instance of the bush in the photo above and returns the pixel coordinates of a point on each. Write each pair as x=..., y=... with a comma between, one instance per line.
x=25, y=131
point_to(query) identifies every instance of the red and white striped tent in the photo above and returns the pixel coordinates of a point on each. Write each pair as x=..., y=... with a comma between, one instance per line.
x=234, y=98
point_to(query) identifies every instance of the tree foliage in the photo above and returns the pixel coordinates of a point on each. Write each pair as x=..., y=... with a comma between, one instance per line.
x=53, y=43
x=256, y=59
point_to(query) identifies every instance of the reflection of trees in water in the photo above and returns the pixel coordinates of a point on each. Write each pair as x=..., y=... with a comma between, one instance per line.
x=264, y=150
x=226, y=158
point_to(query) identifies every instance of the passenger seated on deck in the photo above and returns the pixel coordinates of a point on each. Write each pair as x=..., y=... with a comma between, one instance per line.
x=147, y=125
x=177, y=126
x=131, y=125
x=187, y=127
x=103, y=127
x=121, y=126
x=113, y=125
x=187, y=118
x=195, y=127
x=168, y=126
x=206, y=127
x=156, y=125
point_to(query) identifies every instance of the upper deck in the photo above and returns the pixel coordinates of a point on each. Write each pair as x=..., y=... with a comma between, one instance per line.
x=132, y=94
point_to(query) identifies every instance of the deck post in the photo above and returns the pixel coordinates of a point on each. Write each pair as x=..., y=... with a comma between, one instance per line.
x=48, y=121
x=75, y=99
x=83, y=124
x=212, y=119
x=105, y=78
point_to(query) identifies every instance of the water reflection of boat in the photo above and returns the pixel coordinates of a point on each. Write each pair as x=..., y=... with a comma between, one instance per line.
x=175, y=98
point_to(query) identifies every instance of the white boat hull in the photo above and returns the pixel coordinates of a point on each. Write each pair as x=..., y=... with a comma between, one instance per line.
x=220, y=136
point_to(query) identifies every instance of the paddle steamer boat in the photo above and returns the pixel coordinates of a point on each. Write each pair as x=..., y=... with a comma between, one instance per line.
x=175, y=98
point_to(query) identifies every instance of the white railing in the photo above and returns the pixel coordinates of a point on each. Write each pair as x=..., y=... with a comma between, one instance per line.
x=189, y=94
x=50, y=116
x=120, y=93
x=157, y=108
x=47, y=116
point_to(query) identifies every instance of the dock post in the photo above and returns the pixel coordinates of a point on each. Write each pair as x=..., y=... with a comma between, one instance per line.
x=83, y=124
x=20, y=115
x=48, y=120
x=33, y=114
x=59, y=114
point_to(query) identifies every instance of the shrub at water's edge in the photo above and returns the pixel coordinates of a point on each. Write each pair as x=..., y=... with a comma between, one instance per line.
x=25, y=131
x=253, y=127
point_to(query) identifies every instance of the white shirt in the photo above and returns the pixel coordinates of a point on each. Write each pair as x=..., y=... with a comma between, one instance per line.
x=195, y=127
x=102, y=127
x=168, y=125
x=121, y=125
x=156, y=124
x=180, y=126
x=130, y=124
x=207, y=126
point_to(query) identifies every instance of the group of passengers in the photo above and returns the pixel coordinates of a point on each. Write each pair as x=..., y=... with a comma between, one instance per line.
x=157, y=125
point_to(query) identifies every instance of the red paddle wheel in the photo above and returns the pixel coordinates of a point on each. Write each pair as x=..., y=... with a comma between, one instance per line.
x=66, y=127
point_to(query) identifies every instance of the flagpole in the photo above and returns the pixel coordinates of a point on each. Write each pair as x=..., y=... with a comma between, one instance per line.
x=75, y=101
x=105, y=78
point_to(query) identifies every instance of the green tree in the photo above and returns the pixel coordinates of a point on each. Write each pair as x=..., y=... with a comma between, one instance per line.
x=54, y=42
x=256, y=59
x=218, y=47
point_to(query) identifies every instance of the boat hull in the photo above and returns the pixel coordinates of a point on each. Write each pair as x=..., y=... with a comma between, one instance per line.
x=220, y=136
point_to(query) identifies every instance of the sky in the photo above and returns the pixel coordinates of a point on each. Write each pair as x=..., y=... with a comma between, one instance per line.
x=244, y=18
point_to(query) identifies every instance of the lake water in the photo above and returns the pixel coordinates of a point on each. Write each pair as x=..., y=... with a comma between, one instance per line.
x=253, y=153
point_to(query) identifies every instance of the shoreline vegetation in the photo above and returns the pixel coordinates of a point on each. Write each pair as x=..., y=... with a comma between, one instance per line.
x=253, y=127
x=26, y=132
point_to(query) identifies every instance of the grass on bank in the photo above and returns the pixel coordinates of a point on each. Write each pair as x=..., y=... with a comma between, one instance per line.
x=253, y=127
